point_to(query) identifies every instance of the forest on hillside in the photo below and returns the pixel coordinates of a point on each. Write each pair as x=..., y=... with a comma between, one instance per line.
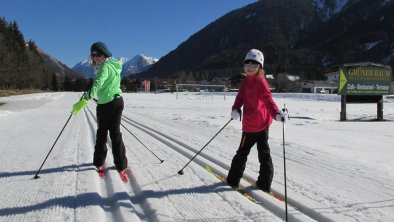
x=295, y=37
x=23, y=66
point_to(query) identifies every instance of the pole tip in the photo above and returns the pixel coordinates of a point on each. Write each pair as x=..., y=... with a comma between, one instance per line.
x=36, y=177
x=161, y=161
x=180, y=172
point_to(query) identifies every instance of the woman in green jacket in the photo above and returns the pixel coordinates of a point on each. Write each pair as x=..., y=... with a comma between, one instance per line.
x=106, y=89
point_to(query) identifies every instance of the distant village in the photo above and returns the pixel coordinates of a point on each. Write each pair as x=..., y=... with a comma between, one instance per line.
x=284, y=82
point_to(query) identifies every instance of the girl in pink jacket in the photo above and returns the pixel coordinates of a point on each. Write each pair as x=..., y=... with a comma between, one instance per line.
x=259, y=109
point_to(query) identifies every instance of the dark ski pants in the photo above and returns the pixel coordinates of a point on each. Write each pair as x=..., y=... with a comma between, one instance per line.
x=108, y=119
x=238, y=163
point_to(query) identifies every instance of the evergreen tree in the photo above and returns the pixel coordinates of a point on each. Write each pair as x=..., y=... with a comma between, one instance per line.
x=55, y=80
x=22, y=65
x=32, y=46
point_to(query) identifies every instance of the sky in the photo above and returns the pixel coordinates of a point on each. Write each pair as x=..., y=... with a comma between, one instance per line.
x=66, y=29
x=336, y=170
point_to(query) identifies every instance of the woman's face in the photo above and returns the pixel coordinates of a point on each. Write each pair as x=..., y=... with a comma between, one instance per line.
x=98, y=59
x=251, y=68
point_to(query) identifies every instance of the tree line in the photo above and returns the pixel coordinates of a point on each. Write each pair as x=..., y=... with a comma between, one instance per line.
x=23, y=66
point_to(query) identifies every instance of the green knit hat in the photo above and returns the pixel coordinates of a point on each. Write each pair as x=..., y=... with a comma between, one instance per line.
x=100, y=48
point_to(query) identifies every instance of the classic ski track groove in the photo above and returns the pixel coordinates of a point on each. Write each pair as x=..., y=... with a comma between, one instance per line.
x=204, y=159
x=173, y=144
x=182, y=202
x=112, y=188
x=201, y=161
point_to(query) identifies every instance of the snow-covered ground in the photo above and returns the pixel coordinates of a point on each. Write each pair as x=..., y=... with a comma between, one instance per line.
x=336, y=171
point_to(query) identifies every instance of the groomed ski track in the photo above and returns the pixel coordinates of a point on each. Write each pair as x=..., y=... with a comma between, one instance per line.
x=297, y=211
x=141, y=199
x=138, y=202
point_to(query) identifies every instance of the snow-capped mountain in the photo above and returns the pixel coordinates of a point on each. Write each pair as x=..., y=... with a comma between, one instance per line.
x=85, y=69
x=138, y=64
x=122, y=60
x=135, y=65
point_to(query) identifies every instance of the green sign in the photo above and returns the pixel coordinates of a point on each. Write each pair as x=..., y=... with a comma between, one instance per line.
x=364, y=81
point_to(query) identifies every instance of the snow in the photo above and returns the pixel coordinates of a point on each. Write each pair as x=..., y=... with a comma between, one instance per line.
x=370, y=45
x=137, y=64
x=130, y=66
x=336, y=171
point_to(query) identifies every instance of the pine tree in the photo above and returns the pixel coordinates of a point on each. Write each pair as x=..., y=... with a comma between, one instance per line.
x=32, y=46
x=21, y=64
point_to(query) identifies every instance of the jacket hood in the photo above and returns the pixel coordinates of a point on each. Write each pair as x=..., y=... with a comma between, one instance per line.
x=117, y=65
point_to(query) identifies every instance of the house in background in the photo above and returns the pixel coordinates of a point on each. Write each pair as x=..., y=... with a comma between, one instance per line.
x=320, y=87
x=291, y=83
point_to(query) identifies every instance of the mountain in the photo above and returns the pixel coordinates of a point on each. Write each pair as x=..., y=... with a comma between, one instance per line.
x=328, y=8
x=362, y=31
x=57, y=66
x=303, y=37
x=23, y=65
x=138, y=64
x=135, y=65
x=84, y=68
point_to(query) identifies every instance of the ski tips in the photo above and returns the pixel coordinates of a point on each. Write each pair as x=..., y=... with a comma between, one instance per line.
x=180, y=172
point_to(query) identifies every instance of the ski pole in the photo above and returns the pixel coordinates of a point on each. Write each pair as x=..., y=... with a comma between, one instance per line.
x=161, y=161
x=284, y=110
x=180, y=172
x=38, y=171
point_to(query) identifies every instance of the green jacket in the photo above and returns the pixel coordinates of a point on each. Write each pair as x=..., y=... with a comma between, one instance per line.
x=107, y=82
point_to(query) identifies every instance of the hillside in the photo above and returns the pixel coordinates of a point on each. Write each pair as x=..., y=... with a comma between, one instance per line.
x=307, y=38
x=23, y=65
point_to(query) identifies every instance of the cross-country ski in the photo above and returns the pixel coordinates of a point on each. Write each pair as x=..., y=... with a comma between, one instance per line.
x=239, y=190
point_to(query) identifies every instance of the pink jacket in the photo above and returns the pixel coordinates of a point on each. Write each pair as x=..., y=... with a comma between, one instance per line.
x=258, y=106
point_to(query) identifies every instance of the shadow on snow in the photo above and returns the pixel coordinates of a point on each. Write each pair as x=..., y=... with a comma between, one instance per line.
x=74, y=167
x=94, y=199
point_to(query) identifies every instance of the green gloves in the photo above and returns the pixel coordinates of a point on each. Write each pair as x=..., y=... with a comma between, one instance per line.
x=78, y=106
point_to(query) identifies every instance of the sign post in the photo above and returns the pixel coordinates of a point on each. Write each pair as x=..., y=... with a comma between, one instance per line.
x=364, y=83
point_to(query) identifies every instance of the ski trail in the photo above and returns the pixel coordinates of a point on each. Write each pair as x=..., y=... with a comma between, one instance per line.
x=87, y=186
x=194, y=193
x=56, y=195
x=205, y=158
x=315, y=212
x=179, y=147
x=118, y=206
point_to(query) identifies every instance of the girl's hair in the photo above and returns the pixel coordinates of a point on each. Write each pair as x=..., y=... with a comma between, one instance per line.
x=261, y=72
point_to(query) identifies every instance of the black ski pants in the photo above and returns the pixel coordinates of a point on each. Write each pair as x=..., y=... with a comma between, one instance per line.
x=108, y=119
x=238, y=163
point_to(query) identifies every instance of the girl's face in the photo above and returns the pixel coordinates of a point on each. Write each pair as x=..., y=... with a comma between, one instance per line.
x=251, y=67
x=98, y=59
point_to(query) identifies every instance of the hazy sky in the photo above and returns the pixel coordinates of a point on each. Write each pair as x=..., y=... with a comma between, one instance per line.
x=66, y=28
